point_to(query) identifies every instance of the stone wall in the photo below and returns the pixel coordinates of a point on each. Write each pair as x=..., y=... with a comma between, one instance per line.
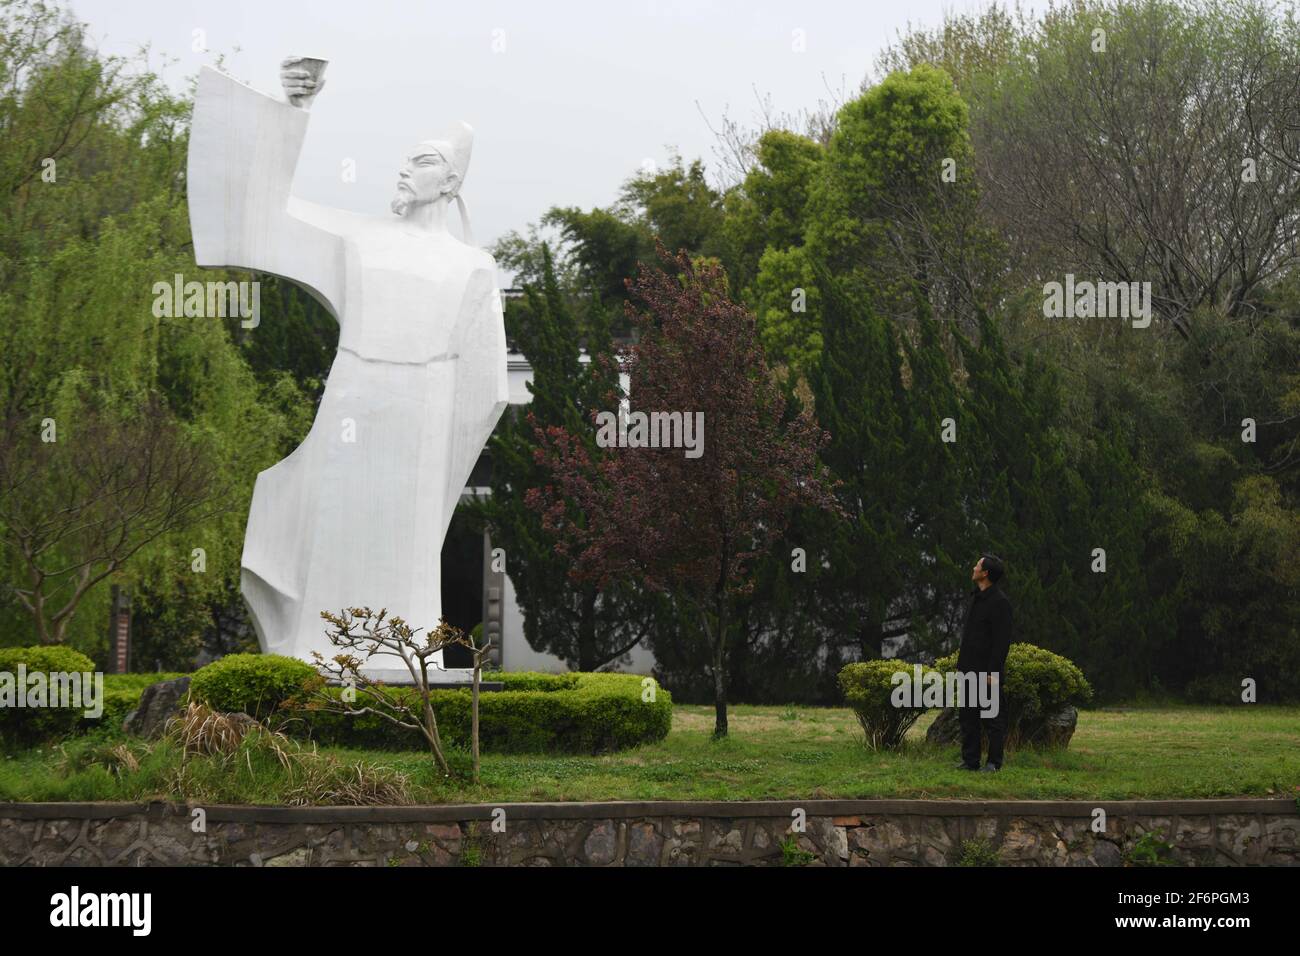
x=835, y=833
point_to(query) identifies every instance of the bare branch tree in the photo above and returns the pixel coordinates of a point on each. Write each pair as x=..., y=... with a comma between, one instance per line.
x=736, y=148
x=371, y=634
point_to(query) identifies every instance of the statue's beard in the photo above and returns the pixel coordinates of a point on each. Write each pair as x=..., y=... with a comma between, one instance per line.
x=403, y=202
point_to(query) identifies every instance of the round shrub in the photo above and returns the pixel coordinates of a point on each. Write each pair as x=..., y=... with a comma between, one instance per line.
x=29, y=725
x=872, y=690
x=254, y=684
x=535, y=713
x=45, y=658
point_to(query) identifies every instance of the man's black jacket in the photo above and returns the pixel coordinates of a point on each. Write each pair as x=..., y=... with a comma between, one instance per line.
x=986, y=638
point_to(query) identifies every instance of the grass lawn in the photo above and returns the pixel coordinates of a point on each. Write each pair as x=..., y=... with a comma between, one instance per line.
x=772, y=753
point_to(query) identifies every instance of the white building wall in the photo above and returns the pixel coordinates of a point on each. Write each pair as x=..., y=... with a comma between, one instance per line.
x=516, y=655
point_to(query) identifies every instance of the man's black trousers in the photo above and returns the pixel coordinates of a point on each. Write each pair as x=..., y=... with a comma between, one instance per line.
x=972, y=723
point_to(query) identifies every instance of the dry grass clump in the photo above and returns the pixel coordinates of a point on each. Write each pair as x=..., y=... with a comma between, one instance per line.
x=307, y=777
x=210, y=733
x=326, y=781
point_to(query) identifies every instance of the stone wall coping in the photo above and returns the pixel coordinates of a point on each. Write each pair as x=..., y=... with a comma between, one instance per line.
x=626, y=809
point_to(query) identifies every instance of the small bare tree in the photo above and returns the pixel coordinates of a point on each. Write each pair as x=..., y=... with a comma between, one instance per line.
x=373, y=634
x=480, y=651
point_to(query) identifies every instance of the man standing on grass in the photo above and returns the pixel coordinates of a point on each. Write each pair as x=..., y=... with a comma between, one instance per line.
x=985, y=640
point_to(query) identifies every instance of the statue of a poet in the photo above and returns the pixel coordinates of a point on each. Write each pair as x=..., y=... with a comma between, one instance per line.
x=356, y=515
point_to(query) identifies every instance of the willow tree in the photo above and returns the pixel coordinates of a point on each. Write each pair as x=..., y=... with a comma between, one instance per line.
x=92, y=217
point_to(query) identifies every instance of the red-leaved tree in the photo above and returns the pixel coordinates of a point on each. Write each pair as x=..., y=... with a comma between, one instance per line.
x=691, y=525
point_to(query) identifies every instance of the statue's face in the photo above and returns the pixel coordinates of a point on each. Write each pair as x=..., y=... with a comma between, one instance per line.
x=426, y=176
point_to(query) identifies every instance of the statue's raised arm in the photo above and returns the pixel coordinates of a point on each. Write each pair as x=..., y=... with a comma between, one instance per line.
x=244, y=146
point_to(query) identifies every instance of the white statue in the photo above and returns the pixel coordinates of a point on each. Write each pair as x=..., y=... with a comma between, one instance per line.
x=357, y=514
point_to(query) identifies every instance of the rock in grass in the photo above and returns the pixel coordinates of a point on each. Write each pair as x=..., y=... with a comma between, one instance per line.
x=158, y=703
x=945, y=729
x=1052, y=730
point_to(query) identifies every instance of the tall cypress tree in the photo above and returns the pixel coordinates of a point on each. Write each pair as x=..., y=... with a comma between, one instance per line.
x=1055, y=515
x=859, y=400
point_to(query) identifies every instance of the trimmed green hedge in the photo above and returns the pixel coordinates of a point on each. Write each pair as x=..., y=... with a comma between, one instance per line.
x=535, y=713
x=28, y=725
x=254, y=684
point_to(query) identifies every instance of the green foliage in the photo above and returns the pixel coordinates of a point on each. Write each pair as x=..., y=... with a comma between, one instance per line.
x=118, y=703
x=869, y=689
x=1237, y=591
x=28, y=725
x=602, y=250
x=1045, y=506
x=533, y=680
x=784, y=329
x=535, y=713
x=678, y=205
x=881, y=209
x=80, y=255
x=1150, y=849
x=47, y=659
x=254, y=684
x=793, y=855
x=1222, y=752
x=900, y=482
x=1223, y=690
x=1197, y=520
x=121, y=696
x=471, y=852
x=767, y=212
x=977, y=853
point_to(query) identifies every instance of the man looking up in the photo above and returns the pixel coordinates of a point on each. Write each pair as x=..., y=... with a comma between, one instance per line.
x=985, y=640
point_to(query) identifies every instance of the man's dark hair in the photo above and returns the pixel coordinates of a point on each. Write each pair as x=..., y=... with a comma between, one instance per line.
x=992, y=565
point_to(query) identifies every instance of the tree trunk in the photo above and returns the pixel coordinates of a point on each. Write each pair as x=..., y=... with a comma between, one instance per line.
x=473, y=731
x=871, y=634
x=431, y=721
x=720, y=675
x=587, y=632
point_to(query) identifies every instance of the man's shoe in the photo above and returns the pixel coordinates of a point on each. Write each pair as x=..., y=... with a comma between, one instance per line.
x=962, y=765
x=989, y=768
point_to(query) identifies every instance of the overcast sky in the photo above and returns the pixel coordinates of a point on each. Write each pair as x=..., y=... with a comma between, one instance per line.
x=567, y=99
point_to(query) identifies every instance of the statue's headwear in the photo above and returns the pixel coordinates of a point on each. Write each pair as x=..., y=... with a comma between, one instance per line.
x=455, y=147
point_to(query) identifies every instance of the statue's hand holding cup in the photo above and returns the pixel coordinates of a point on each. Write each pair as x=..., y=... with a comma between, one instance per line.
x=302, y=78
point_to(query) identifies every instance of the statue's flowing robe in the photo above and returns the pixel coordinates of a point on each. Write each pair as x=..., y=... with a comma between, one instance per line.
x=356, y=515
